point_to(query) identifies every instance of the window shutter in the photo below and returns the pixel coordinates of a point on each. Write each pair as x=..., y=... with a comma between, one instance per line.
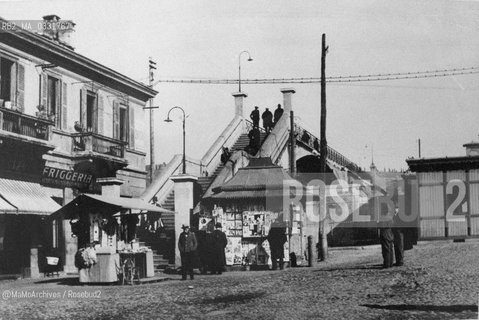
x=95, y=115
x=13, y=84
x=100, y=114
x=116, y=120
x=131, y=129
x=20, y=96
x=83, y=108
x=58, y=104
x=64, y=106
x=44, y=91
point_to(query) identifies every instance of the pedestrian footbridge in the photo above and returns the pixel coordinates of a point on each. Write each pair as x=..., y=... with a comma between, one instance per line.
x=211, y=172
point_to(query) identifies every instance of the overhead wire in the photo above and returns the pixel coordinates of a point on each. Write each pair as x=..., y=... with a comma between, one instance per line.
x=335, y=79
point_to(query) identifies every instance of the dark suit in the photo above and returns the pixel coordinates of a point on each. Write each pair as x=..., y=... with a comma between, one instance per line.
x=218, y=258
x=187, y=245
x=387, y=238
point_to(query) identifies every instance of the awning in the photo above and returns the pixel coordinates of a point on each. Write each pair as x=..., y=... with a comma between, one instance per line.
x=97, y=203
x=5, y=207
x=25, y=198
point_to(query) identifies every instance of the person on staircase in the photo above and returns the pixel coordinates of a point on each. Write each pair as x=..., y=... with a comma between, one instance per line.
x=267, y=117
x=277, y=114
x=254, y=116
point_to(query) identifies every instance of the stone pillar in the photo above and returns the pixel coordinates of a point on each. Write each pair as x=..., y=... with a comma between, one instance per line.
x=70, y=245
x=239, y=97
x=110, y=187
x=34, y=270
x=287, y=94
x=184, y=197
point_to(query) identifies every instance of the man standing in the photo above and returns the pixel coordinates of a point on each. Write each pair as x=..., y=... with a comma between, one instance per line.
x=219, y=242
x=277, y=239
x=387, y=238
x=255, y=117
x=277, y=114
x=187, y=245
x=398, y=239
x=267, y=117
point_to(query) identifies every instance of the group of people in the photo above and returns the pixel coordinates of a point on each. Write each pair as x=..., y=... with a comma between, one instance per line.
x=210, y=251
x=391, y=236
x=269, y=120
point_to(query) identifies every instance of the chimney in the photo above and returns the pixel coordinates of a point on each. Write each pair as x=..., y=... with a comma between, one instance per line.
x=110, y=187
x=239, y=96
x=287, y=94
x=60, y=31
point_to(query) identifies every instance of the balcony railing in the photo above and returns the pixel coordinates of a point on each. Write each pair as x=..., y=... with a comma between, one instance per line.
x=25, y=125
x=94, y=142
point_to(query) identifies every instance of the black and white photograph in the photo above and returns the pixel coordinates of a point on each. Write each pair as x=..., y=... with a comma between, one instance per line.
x=254, y=159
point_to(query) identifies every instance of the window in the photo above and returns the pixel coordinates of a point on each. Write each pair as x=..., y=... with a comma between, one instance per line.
x=53, y=98
x=12, y=83
x=6, y=68
x=90, y=111
x=123, y=122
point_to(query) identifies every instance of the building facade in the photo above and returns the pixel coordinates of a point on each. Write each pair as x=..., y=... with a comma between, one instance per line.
x=65, y=120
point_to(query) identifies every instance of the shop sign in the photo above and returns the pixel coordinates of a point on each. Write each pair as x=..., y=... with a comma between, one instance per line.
x=66, y=178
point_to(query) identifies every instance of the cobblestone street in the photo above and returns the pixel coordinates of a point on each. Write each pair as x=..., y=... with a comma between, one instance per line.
x=439, y=281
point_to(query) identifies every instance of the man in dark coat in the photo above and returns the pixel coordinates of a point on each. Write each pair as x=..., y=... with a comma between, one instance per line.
x=254, y=136
x=398, y=239
x=277, y=114
x=267, y=117
x=277, y=239
x=255, y=117
x=187, y=245
x=218, y=243
x=386, y=237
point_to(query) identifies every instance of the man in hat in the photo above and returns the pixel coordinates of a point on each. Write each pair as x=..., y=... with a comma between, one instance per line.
x=267, y=117
x=277, y=239
x=187, y=245
x=255, y=117
x=218, y=243
x=278, y=113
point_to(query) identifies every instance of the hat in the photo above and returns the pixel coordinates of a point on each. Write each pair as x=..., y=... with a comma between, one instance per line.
x=218, y=225
x=185, y=227
x=256, y=107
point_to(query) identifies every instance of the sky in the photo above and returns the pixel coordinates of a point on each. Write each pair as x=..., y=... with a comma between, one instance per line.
x=200, y=39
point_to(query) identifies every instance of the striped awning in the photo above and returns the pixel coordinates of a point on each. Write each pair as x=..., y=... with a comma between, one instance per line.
x=25, y=198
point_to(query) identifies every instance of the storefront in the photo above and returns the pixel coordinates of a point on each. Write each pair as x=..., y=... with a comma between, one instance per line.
x=105, y=228
x=25, y=229
x=248, y=207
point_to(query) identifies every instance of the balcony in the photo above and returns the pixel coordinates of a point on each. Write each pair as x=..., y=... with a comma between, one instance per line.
x=24, y=125
x=96, y=143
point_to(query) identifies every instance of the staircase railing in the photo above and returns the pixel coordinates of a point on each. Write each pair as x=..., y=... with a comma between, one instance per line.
x=333, y=155
x=228, y=137
x=162, y=185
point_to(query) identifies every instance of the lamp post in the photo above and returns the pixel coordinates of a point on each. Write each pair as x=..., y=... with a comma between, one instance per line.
x=239, y=66
x=184, y=119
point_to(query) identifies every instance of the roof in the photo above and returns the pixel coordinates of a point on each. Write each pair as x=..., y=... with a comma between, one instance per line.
x=105, y=204
x=50, y=51
x=261, y=178
x=443, y=164
x=25, y=198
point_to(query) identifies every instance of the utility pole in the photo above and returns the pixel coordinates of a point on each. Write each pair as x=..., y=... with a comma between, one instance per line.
x=419, y=146
x=151, y=67
x=292, y=143
x=323, y=152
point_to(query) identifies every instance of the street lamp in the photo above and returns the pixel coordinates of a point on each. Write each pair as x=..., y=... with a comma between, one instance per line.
x=239, y=66
x=184, y=119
